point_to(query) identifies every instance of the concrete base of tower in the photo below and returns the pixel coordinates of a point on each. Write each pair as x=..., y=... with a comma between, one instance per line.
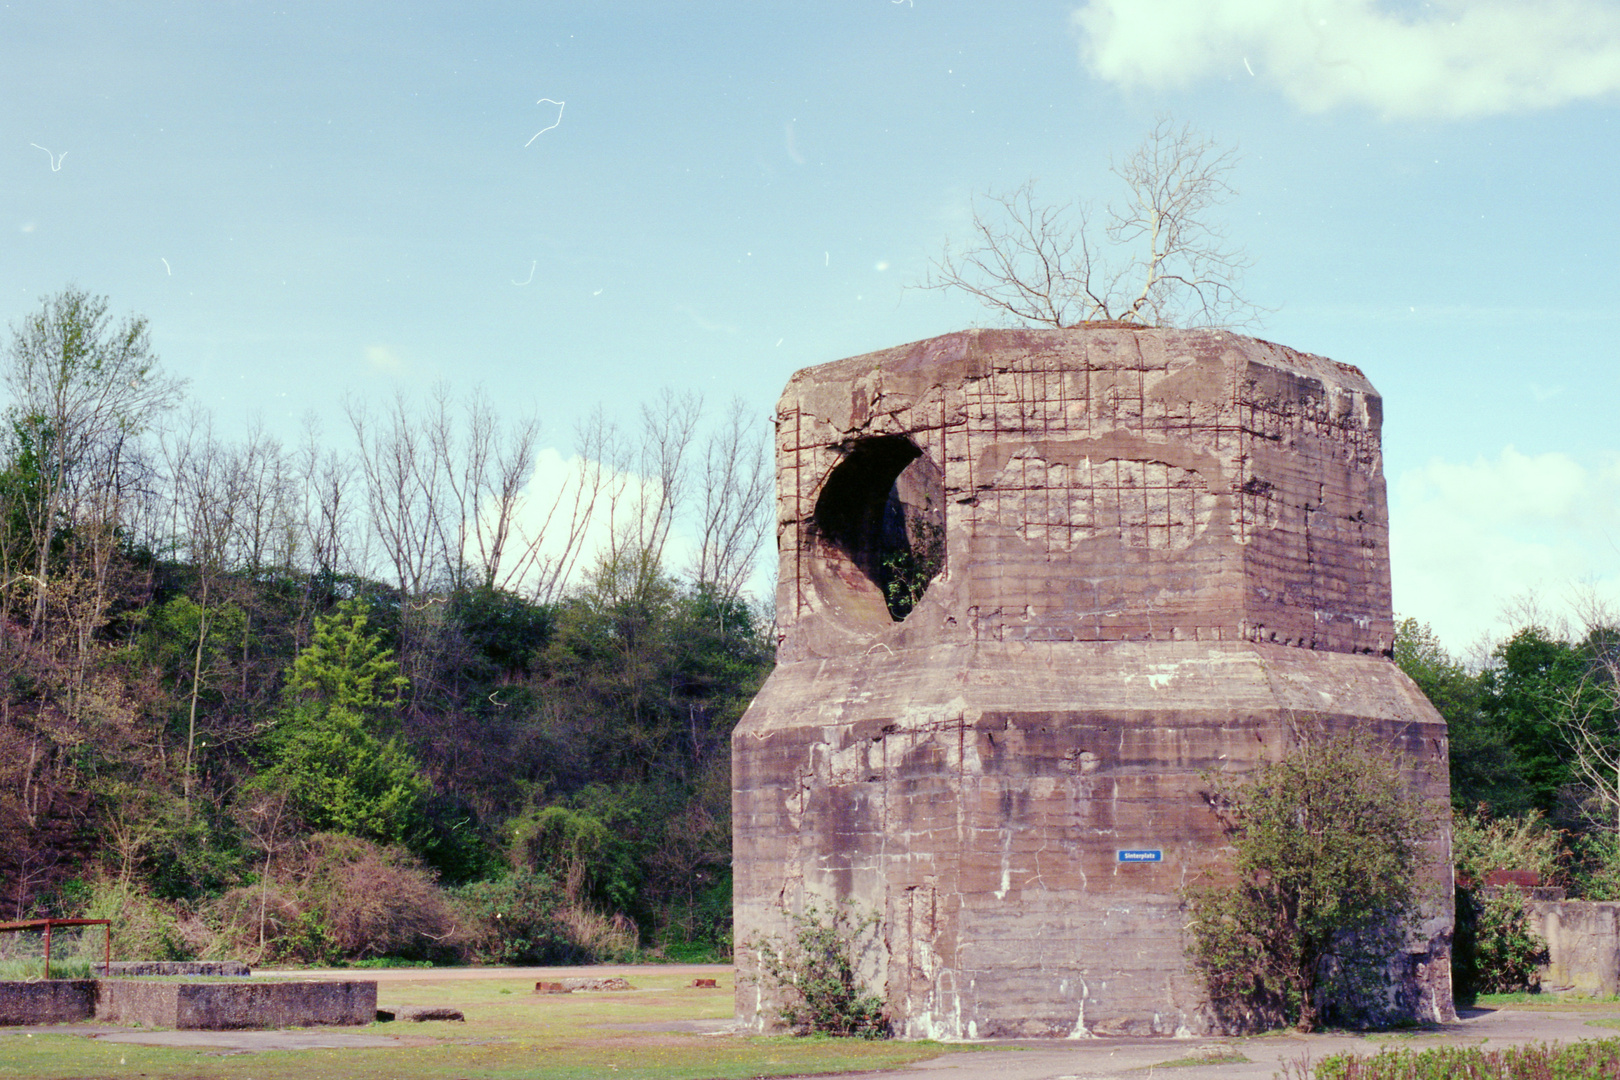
x=1021, y=819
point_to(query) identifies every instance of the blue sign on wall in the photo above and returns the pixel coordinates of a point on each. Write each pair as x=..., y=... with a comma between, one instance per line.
x=1141, y=855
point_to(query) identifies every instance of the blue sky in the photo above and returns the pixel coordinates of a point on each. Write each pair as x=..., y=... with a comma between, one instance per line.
x=308, y=199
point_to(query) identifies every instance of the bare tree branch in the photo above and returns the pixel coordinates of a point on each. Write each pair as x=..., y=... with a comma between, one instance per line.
x=1170, y=263
x=735, y=488
x=1591, y=719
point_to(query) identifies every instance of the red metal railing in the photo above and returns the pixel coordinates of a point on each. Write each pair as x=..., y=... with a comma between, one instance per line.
x=48, y=925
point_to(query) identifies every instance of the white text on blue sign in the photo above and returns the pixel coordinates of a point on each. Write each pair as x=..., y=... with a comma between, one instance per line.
x=1142, y=855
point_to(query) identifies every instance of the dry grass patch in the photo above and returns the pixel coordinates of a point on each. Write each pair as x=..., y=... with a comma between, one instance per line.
x=510, y=1032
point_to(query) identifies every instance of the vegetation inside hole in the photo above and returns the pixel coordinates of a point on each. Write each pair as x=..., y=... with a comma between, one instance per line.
x=906, y=572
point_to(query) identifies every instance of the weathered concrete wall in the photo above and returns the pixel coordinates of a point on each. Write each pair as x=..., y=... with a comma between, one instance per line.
x=225, y=1005
x=1100, y=485
x=1161, y=550
x=52, y=1001
x=1583, y=944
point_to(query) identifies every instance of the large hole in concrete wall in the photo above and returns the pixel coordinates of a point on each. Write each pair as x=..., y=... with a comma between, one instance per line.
x=883, y=510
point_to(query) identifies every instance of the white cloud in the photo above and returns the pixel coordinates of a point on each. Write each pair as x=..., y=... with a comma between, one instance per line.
x=382, y=358
x=1466, y=540
x=1456, y=59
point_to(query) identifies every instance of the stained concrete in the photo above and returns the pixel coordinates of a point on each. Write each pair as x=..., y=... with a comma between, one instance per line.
x=1583, y=944
x=1263, y=1058
x=53, y=1001
x=1160, y=553
x=216, y=1006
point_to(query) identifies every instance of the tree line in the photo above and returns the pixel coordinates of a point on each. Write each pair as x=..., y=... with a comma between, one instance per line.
x=1534, y=730
x=249, y=688
x=1534, y=726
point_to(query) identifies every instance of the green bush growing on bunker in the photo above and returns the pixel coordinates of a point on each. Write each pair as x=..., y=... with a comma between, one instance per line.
x=1326, y=861
x=813, y=970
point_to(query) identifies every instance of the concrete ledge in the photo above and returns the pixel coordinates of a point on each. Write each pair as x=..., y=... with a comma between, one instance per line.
x=221, y=1006
x=164, y=968
x=53, y=1001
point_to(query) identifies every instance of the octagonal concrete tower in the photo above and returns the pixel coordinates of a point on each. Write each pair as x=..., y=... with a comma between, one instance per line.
x=1141, y=555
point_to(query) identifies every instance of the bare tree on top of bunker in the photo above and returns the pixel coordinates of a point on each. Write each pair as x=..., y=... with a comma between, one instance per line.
x=1161, y=257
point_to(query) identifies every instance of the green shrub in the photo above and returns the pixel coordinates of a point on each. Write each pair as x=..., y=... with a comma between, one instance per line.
x=384, y=963
x=1508, y=951
x=813, y=971
x=1568, y=1061
x=1596, y=871
x=1480, y=844
x=143, y=927
x=309, y=940
x=587, y=848
x=515, y=920
x=1326, y=862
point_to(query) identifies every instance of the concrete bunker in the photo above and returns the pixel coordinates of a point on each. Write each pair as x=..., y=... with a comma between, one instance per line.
x=1165, y=549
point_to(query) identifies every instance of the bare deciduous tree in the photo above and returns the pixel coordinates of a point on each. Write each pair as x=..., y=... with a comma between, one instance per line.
x=1591, y=709
x=543, y=534
x=405, y=492
x=1161, y=258
x=328, y=513
x=735, y=492
x=267, y=535
x=211, y=490
x=645, y=491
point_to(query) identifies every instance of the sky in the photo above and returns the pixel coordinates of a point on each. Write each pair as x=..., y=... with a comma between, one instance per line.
x=573, y=205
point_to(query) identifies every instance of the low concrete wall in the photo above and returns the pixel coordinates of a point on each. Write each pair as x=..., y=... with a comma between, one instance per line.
x=165, y=968
x=53, y=1001
x=218, y=1006
x=1583, y=944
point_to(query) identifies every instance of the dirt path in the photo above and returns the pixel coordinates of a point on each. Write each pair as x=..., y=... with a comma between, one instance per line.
x=1136, y=1059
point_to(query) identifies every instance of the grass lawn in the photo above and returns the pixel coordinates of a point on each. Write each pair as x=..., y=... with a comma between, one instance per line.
x=509, y=1032
x=1563, y=1002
